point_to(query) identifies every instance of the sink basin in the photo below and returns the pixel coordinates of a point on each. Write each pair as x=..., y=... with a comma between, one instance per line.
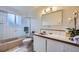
x=74, y=39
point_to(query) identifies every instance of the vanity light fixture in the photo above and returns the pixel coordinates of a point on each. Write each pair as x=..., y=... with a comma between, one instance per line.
x=49, y=10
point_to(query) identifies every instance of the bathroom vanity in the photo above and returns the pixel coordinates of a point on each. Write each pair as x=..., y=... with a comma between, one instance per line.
x=53, y=43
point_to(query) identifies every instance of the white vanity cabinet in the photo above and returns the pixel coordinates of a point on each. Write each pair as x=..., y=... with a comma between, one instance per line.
x=70, y=48
x=42, y=44
x=39, y=44
x=54, y=46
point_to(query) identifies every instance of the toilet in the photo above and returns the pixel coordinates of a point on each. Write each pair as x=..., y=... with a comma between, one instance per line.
x=27, y=42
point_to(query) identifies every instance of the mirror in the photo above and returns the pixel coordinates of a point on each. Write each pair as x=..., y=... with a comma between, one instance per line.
x=53, y=18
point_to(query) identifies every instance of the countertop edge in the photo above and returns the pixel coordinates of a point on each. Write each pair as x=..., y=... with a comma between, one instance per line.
x=71, y=43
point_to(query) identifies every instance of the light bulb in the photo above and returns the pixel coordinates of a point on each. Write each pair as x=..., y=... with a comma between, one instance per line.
x=43, y=12
x=54, y=8
x=48, y=10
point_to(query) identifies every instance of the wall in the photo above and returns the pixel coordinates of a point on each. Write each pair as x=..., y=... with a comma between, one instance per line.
x=7, y=31
x=17, y=31
x=66, y=23
x=35, y=24
x=67, y=13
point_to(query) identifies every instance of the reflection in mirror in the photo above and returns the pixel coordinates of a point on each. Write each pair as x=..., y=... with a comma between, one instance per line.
x=53, y=18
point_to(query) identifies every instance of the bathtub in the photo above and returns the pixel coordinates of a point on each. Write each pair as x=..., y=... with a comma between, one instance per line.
x=10, y=43
x=7, y=40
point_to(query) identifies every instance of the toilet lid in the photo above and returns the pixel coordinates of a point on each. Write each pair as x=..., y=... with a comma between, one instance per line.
x=27, y=39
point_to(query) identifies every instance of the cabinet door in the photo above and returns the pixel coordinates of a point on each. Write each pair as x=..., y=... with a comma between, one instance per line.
x=54, y=46
x=39, y=44
x=71, y=48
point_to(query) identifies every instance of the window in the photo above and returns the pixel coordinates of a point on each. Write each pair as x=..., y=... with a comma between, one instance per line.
x=18, y=20
x=11, y=19
x=14, y=20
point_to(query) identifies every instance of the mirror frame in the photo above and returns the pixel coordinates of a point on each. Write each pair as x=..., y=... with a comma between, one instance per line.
x=50, y=13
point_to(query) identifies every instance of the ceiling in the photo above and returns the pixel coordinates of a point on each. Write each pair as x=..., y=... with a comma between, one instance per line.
x=25, y=10
x=22, y=10
x=28, y=10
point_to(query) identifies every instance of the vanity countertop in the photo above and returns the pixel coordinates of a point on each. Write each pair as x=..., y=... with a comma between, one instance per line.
x=60, y=38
